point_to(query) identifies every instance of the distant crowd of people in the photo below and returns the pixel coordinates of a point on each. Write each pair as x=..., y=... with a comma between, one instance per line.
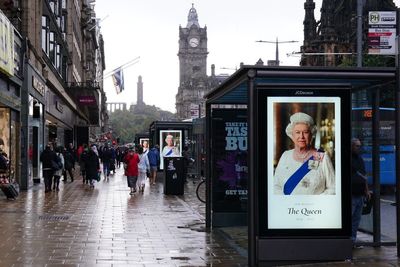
x=139, y=162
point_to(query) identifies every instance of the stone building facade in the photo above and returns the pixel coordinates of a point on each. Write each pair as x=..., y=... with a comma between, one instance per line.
x=61, y=95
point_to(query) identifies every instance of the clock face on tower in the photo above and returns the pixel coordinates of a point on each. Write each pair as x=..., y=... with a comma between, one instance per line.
x=194, y=42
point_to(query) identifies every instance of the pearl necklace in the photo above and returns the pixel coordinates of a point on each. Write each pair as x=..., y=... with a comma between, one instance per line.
x=301, y=156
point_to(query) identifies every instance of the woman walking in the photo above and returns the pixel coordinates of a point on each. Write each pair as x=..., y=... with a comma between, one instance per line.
x=144, y=166
x=131, y=161
x=92, y=166
x=58, y=173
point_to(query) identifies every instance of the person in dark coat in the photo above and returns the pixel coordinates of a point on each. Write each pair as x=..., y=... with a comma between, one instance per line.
x=92, y=166
x=359, y=186
x=106, y=157
x=82, y=159
x=69, y=163
x=46, y=157
x=154, y=160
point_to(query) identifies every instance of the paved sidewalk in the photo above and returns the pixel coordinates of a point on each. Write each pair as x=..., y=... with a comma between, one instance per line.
x=107, y=227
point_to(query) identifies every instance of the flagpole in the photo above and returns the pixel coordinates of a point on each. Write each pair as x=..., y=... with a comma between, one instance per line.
x=123, y=66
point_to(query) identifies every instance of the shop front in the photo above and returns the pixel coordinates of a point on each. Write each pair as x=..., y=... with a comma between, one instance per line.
x=32, y=120
x=59, y=121
x=10, y=101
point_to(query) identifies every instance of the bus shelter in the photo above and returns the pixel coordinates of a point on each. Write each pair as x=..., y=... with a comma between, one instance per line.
x=248, y=115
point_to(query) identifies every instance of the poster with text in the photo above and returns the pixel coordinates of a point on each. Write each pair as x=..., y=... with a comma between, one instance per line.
x=170, y=145
x=304, y=163
x=229, y=160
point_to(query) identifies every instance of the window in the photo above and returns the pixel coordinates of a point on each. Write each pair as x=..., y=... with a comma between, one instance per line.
x=45, y=29
x=52, y=47
x=58, y=58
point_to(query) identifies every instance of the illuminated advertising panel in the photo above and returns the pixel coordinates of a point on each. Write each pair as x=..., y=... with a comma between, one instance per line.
x=302, y=161
x=304, y=164
x=170, y=144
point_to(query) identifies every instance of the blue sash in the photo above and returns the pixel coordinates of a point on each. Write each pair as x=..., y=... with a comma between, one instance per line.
x=169, y=152
x=296, y=177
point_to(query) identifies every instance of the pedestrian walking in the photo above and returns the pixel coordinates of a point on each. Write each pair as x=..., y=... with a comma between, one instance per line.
x=119, y=156
x=48, y=157
x=92, y=166
x=359, y=187
x=82, y=158
x=154, y=160
x=71, y=149
x=58, y=173
x=69, y=165
x=131, y=162
x=106, y=157
x=144, y=166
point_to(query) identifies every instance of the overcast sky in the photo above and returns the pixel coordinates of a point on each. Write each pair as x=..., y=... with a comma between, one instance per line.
x=149, y=29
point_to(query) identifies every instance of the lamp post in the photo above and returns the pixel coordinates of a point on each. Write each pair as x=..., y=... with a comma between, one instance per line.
x=276, y=42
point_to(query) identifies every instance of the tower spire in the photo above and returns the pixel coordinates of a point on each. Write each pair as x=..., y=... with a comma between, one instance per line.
x=192, y=18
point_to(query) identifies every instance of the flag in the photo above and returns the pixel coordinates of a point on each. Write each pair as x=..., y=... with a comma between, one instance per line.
x=118, y=79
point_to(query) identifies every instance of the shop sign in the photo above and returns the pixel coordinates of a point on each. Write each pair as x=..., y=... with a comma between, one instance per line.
x=382, y=32
x=59, y=107
x=10, y=101
x=87, y=100
x=37, y=85
x=7, y=45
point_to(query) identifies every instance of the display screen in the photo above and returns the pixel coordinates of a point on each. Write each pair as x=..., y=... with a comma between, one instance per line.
x=304, y=163
x=170, y=144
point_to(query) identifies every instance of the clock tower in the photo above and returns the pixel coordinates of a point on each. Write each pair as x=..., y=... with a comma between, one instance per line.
x=192, y=67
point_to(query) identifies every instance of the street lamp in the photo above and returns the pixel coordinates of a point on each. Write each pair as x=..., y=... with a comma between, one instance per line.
x=277, y=50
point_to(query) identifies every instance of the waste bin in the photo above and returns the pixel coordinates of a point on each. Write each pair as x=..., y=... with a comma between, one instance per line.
x=173, y=176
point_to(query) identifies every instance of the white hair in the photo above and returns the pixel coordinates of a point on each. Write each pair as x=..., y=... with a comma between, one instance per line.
x=303, y=118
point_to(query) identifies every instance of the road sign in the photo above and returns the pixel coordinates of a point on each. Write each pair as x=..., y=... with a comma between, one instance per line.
x=382, y=32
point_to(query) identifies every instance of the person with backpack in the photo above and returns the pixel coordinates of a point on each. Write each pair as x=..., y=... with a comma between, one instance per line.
x=58, y=173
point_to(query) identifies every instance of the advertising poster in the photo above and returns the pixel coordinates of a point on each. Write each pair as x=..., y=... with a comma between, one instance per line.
x=229, y=170
x=170, y=145
x=5, y=131
x=304, y=164
x=142, y=140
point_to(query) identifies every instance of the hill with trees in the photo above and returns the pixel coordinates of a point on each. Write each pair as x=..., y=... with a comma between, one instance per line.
x=125, y=124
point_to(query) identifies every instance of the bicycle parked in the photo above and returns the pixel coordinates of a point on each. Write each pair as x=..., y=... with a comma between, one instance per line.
x=201, y=190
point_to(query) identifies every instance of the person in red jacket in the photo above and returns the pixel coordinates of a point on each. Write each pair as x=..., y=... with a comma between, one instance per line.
x=131, y=161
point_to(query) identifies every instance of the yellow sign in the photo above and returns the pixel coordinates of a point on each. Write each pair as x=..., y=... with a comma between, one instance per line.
x=6, y=45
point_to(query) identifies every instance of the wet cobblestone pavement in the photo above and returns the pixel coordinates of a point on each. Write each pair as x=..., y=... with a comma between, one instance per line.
x=107, y=227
